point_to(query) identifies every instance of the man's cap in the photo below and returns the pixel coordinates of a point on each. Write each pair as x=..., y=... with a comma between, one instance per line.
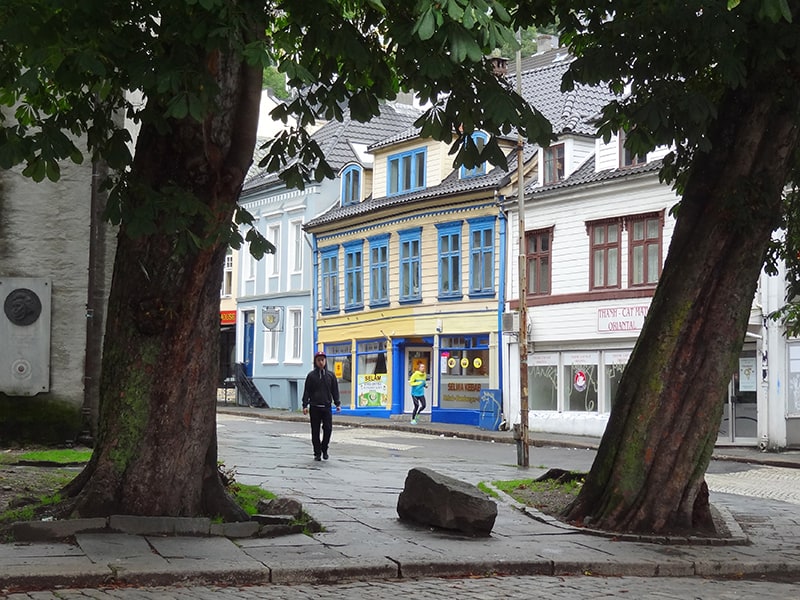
x=318, y=354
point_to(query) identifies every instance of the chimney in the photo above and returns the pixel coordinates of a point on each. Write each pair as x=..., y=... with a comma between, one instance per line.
x=545, y=42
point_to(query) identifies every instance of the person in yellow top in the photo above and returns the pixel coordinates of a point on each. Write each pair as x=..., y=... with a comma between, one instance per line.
x=418, y=383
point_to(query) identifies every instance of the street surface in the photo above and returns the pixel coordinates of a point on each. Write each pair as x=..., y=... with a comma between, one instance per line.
x=489, y=588
x=366, y=472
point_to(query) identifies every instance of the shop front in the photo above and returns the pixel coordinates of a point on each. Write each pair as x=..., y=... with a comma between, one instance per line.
x=373, y=376
x=464, y=367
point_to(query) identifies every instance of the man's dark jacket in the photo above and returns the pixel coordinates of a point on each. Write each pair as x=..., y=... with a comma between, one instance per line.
x=321, y=389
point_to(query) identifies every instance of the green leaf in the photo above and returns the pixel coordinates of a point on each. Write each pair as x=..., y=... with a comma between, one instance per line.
x=178, y=108
x=426, y=25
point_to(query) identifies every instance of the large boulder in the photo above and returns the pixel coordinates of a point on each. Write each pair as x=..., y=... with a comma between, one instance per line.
x=430, y=498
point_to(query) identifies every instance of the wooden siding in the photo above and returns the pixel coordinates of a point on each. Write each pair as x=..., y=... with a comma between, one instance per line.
x=568, y=214
x=436, y=164
x=582, y=149
x=417, y=318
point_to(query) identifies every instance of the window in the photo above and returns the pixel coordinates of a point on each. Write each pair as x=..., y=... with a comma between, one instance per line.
x=339, y=361
x=351, y=185
x=410, y=242
x=227, y=276
x=354, y=275
x=480, y=141
x=537, y=256
x=295, y=335
x=406, y=172
x=615, y=363
x=330, y=279
x=481, y=256
x=449, y=260
x=274, y=237
x=271, y=339
x=626, y=157
x=580, y=381
x=379, y=270
x=553, y=164
x=644, y=249
x=463, y=371
x=371, y=371
x=296, y=260
x=250, y=260
x=605, y=241
x=543, y=381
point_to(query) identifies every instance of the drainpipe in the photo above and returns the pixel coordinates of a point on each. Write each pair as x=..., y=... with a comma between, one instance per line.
x=96, y=298
x=314, y=291
x=521, y=435
x=502, y=292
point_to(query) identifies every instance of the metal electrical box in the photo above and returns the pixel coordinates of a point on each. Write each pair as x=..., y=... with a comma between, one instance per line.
x=24, y=335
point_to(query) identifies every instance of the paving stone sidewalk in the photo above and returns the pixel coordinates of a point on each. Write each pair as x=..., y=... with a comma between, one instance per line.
x=373, y=544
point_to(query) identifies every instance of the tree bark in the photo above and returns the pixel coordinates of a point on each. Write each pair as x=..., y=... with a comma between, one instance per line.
x=648, y=476
x=156, y=452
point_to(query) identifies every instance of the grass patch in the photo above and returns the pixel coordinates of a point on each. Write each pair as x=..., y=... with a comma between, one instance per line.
x=509, y=487
x=247, y=496
x=28, y=512
x=65, y=456
x=549, y=495
x=487, y=490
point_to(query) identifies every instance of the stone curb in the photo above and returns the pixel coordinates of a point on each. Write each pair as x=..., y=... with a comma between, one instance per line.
x=43, y=531
x=737, y=536
x=314, y=574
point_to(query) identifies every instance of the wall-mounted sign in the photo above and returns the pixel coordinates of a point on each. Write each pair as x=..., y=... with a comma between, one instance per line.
x=271, y=317
x=227, y=317
x=619, y=319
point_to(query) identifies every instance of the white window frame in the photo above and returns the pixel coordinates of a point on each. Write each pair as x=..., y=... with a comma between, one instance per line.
x=227, y=276
x=251, y=264
x=296, y=245
x=272, y=341
x=274, y=237
x=294, y=335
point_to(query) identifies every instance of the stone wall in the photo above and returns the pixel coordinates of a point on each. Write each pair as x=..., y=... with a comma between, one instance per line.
x=45, y=232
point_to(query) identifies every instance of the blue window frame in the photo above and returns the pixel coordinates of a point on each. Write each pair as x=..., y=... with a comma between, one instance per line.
x=379, y=270
x=329, y=295
x=449, y=260
x=410, y=248
x=405, y=172
x=481, y=256
x=351, y=185
x=480, y=140
x=354, y=275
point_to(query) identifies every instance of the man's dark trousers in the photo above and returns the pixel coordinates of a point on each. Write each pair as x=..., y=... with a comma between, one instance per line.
x=320, y=416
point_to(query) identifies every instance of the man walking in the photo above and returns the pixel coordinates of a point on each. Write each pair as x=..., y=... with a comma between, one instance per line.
x=320, y=391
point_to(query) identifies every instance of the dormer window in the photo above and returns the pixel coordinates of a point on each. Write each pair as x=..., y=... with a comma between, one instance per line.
x=351, y=185
x=406, y=172
x=480, y=140
x=553, y=164
x=626, y=157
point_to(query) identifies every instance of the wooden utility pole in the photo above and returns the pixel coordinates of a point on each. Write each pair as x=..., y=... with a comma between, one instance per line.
x=523, y=458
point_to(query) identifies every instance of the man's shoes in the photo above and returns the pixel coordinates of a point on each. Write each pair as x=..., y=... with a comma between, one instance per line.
x=316, y=457
x=413, y=421
x=325, y=455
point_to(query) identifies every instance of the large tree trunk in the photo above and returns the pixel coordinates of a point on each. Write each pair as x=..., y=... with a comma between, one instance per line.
x=156, y=451
x=648, y=475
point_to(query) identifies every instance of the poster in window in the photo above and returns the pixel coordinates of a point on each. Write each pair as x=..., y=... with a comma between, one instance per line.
x=747, y=374
x=373, y=390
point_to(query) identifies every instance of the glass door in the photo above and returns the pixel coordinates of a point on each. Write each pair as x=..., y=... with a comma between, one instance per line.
x=739, y=423
x=414, y=357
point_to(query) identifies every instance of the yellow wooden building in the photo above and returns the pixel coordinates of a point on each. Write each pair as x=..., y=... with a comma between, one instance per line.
x=411, y=269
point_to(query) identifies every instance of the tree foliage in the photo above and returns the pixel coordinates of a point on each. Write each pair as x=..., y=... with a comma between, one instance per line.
x=189, y=74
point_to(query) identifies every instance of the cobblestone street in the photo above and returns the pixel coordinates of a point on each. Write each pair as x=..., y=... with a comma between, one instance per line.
x=541, y=588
